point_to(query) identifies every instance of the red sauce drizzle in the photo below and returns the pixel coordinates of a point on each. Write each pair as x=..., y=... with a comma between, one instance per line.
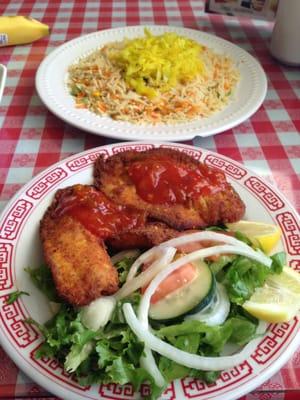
x=96, y=212
x=164, y=181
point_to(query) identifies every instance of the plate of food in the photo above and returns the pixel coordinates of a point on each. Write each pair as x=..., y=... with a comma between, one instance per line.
x=135, y=83
x=149, y=270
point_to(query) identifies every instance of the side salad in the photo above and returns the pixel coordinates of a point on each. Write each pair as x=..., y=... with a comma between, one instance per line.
x=179, y=305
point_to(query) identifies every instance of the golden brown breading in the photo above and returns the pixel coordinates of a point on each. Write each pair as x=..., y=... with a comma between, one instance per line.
x=74, y=248
x=152, y=234
x=80, y=265
x=220, y=206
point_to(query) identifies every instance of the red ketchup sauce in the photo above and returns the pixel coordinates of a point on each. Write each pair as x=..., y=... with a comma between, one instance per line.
x=164, y=181
x=96, y=212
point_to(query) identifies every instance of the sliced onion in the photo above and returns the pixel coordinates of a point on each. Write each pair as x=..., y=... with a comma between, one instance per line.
x=97, y=314
x=146, y=276
x=182, y=357
x=204, y=235
x=212, y=236
x=199, y=254
x=147, y=361
x=150, y=254
x=218, y=311
x=188, y=238
x=133, y=253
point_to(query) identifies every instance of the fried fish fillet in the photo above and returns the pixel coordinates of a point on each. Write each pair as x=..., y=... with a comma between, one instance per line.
x=81, y=268
x=146, y=180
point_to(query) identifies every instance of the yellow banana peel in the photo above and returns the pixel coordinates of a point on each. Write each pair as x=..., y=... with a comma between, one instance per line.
x=18, y=29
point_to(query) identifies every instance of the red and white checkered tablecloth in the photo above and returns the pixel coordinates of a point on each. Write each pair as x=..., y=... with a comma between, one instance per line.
x=31, y=138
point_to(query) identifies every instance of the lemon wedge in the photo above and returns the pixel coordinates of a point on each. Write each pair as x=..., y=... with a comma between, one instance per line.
x=278, y=300
x=266, y=236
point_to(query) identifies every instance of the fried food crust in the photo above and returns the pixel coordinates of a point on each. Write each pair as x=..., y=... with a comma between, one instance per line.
x=81, y=268
x=152, y=234
x=111, y=176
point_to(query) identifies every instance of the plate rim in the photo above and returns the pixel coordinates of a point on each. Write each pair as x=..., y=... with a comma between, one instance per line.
x=60, y=390
x=122, y=130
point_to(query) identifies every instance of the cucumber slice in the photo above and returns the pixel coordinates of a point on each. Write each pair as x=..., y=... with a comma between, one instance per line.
x=188, y=299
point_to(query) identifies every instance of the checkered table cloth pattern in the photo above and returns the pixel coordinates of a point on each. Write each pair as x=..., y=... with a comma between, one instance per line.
x=31, y=138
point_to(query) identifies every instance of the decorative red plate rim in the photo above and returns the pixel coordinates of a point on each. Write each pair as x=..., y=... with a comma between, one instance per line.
x=20, y=340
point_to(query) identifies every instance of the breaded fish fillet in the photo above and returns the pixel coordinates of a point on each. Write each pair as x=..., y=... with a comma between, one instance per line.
x=170, y=186
x=80, y=265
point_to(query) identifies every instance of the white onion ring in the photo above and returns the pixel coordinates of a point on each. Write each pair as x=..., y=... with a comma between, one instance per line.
x=146, y=276
x=182, y=357
x=203, y=253
x=188, y=238
x=203, y=235
x=217, y=313
x=147, y=361
x=125, y=254
x=214, y=236
x=145, y=257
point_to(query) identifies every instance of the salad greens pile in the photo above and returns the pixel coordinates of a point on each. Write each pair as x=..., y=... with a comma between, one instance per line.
x=112, y=354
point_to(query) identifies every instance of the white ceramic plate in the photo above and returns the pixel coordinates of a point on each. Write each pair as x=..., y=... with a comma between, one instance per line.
x=20, y=248
x=52, y=74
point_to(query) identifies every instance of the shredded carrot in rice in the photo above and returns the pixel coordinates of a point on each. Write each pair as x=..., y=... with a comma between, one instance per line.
x=99, y=85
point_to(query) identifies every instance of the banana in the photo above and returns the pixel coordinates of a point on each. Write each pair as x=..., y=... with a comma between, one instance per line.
x=17, y=29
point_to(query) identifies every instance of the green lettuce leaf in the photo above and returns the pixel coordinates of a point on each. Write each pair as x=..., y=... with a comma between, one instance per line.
x=198, y=338
x=13, y=296
x=222, y=261
x=243, y=238
x=77, y=355
x=278, y=262
x=123, y=266
x=43, y=280
x=244, y=275
x=109, y=355
x=170, y=369
x=242, y=330
x=120, y=371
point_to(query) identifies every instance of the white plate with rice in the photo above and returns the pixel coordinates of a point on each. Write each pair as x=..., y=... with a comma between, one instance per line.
x=53, y=77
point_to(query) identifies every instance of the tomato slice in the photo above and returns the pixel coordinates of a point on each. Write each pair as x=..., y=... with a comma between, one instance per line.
x=174, y=281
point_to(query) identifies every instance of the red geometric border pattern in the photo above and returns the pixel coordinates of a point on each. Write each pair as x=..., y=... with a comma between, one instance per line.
x=53, y=368
x=273, y=341
x=295, y=264
x=12, y=317
x=135, y=147
x=265, y=193
x=116, y=392
x=5, y=263
x=14, y=219
x=291, y=230
x=46, y=182
x=228, y=167
x=195, y=387
x=126, y=392
x=196, y=154
x=81, y=162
